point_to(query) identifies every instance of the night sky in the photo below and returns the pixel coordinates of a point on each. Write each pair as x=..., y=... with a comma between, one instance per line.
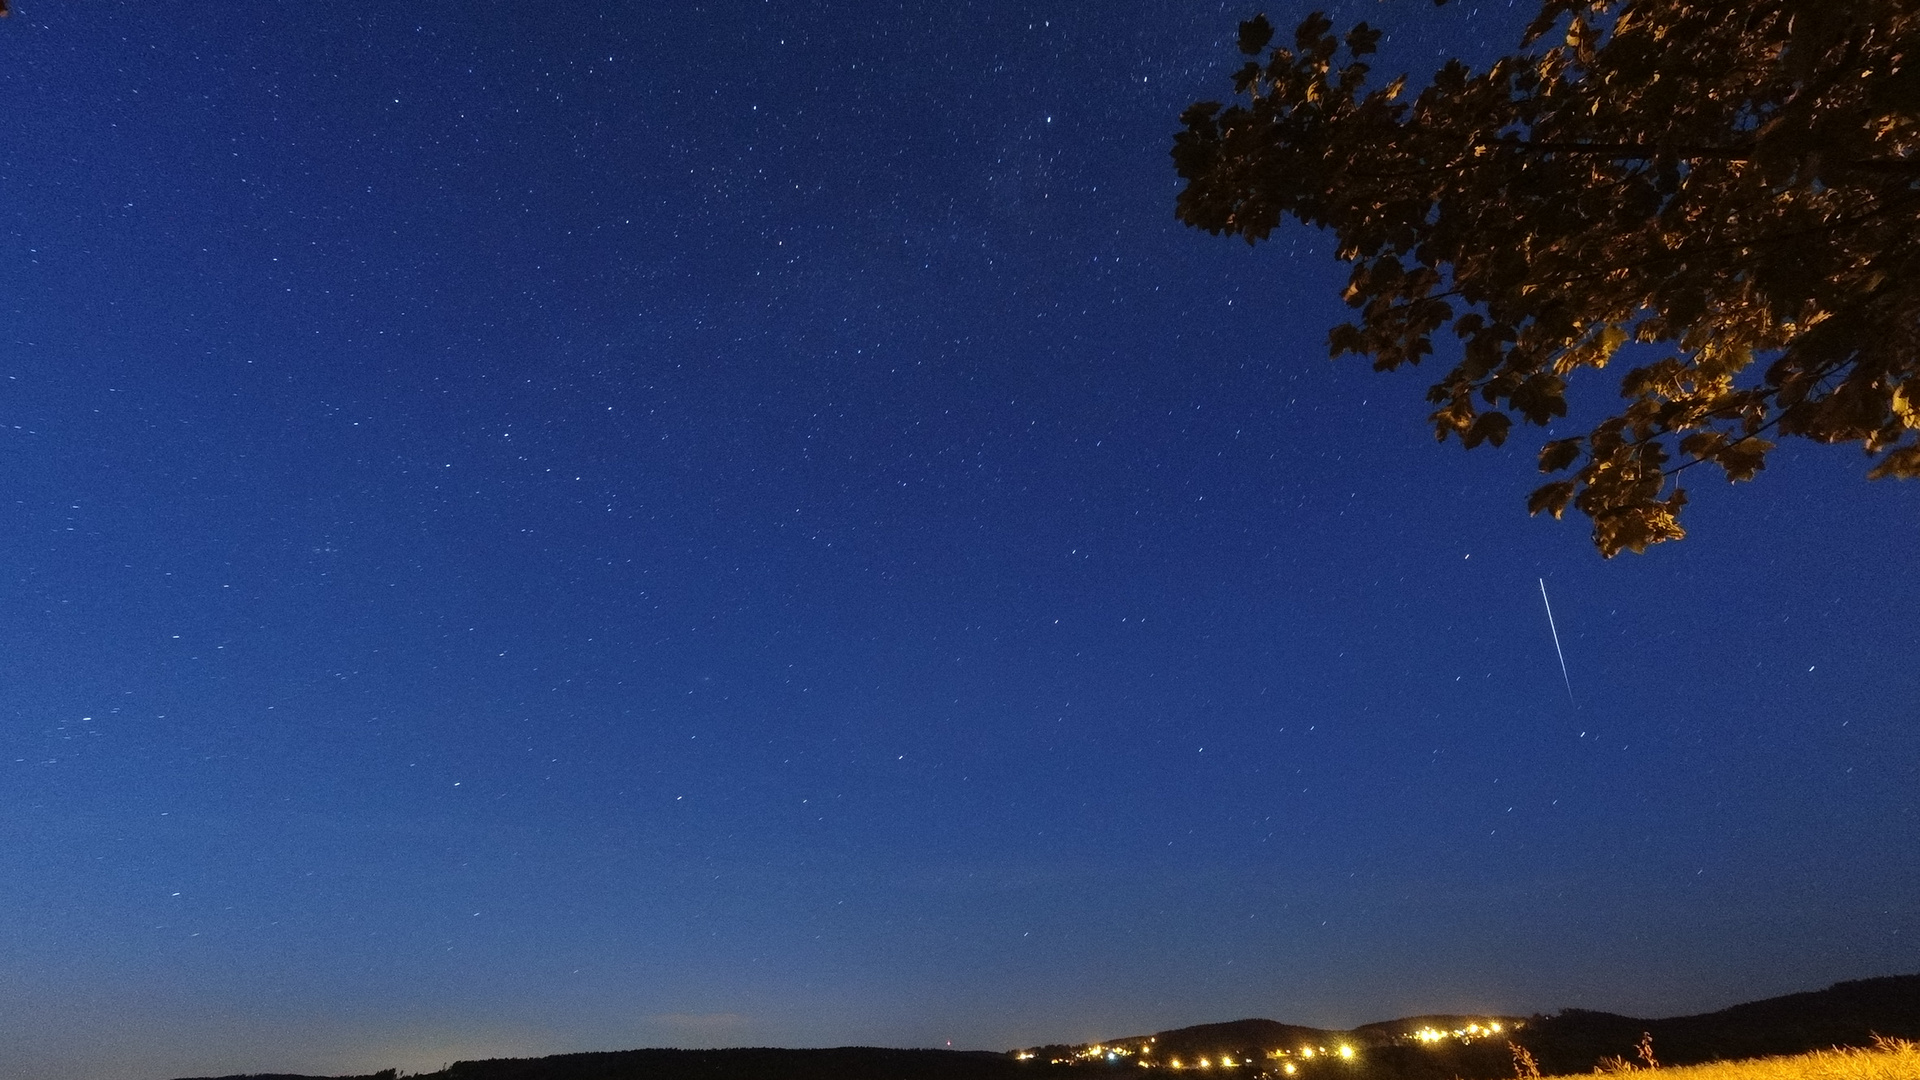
x=535, y=528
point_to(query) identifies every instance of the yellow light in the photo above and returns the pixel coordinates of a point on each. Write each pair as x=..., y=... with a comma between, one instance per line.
x=1347, y=1052
x=1306, y=1051
x=1496, y=1028
x=1288, y=1068
x=1205, y=1064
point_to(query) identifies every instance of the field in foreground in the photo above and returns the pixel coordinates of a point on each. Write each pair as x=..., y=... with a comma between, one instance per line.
x=1887, y=1059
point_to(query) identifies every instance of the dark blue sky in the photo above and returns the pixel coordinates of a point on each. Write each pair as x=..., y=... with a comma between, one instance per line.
x=535, y=528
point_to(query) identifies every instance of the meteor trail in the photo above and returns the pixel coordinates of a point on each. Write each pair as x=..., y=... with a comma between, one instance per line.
x=1556, y=642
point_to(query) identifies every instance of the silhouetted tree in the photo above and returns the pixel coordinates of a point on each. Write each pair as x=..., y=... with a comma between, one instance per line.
x=1731, y=185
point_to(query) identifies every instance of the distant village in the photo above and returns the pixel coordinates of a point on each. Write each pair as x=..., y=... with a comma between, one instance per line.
x=1285, y=1050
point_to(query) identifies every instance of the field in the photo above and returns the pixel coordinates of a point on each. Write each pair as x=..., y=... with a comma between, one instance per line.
x=1888, y=1059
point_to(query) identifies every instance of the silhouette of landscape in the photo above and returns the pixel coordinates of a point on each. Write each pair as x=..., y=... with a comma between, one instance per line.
x=1428, y=1047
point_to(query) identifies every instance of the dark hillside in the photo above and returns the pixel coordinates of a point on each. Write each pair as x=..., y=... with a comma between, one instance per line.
x=1844, y=1014
x=386, y=1075
x=841, y=1063
x=1387, y=1031
x=1249, y=1038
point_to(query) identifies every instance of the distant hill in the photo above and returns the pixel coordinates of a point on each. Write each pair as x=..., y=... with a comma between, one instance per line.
x=841, y=1063
x=388, y=1074
x=1395, y=1030
x=1236, y=1038
x=1844, y=1014
x=1415, y=1048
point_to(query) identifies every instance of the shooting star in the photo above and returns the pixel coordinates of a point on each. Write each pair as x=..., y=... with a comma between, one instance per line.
x=1556, y=643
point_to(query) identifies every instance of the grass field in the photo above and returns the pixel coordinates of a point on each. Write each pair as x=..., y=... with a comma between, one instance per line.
x=1888, y=1059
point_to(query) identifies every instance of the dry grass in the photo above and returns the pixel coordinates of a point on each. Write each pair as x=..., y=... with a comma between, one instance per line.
x=1887, y=1059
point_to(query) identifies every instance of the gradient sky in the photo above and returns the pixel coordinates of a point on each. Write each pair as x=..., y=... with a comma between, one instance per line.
x=533, y=528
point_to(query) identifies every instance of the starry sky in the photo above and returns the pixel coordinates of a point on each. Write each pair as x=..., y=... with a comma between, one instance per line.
x=535, y=528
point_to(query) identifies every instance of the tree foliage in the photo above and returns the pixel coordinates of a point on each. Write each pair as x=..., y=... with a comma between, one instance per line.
x=1729, y=190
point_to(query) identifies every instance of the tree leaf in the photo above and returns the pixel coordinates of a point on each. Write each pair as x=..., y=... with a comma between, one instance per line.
x=1552, y=498
x=1487, y=427
x=1362, y=39
x=1254, y=35
x=1559, y=454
